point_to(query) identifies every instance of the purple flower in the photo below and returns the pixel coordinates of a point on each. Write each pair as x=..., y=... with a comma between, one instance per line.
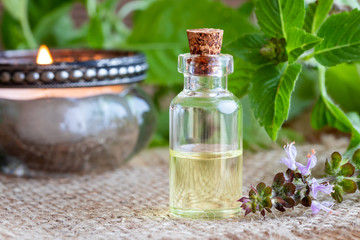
x=316, y=187
x=305, y=170
x=316, y=207
x=291, y=152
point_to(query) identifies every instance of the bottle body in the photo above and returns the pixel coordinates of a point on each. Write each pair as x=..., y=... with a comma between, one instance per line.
x=205, y=149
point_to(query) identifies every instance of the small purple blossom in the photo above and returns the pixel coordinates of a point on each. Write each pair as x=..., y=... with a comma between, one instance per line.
x=316, y=207
x=316, y=187
x=291, y=153
x=305, y=170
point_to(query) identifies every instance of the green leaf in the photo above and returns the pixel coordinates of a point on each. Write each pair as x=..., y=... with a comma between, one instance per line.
x=267, y=202
x=316, y=13
x=353, y=146
x=255, y=136
x=276, y=17
x=343, y=87
x=356, y=158
x=19, y=10
x=267, y=191
x=341, y=39
x=248, y=48
x=40, y=8
x=328, y=168
x=270, y=94
x=12, y=36
x=12, y=6
x=39, y=23
x=349, y=186
x=49, y=20
x=239, y=81
x=254, y=206
x=326, y=113
x=247, y=8
x=260, y=187
x=309, y=17
x=95, y=36
x=91, y=8
x=298, y=42
x=335, y=160
x=162, y=126
x=346, y=170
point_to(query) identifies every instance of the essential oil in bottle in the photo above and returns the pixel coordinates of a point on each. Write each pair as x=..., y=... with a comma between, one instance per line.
x=205, y=133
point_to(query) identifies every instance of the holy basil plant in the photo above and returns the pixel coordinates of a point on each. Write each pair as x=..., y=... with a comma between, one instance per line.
x=297, y=186
x=295, y=35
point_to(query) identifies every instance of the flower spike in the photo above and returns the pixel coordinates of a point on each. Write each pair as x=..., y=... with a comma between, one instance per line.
x=291, y=153
x=297, y=186
x=316, y=187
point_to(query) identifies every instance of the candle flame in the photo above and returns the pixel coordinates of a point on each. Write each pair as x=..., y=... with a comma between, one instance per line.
x=44, y=56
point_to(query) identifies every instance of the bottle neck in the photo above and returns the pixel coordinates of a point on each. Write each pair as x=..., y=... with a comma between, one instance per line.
x=205, y=83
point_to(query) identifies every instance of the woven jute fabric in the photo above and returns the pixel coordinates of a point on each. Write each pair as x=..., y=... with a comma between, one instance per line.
x=132, y=203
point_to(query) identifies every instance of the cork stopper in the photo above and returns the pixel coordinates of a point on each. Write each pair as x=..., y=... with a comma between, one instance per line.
x=205, y=41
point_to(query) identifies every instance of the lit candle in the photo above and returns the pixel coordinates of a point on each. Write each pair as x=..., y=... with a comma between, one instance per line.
x=44, y=56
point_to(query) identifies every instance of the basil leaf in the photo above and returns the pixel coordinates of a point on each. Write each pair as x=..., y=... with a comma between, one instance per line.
x=298, y=42
x=326, y=113
x=343, y=88
x=12, y=36
x=239, y=81
x=341, y=34
x=13, y=6
x=276, y=17
x=46, y=24
x=316, y=13
x=270, y=94
x=95, y=35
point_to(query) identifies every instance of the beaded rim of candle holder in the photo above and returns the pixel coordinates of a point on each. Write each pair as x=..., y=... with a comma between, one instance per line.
x=71, y=68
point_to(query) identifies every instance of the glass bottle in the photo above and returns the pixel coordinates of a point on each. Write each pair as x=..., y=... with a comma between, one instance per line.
x=205, y=140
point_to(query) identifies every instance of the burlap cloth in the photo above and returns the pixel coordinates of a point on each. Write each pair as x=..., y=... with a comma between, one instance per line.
x=132, y=203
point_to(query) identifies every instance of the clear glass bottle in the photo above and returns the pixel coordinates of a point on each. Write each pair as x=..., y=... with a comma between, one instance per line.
x=205, y=141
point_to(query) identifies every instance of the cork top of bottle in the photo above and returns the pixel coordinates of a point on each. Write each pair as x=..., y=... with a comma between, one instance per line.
x=205, y=41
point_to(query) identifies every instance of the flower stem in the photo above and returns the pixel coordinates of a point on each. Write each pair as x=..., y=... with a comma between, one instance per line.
x=322, y=86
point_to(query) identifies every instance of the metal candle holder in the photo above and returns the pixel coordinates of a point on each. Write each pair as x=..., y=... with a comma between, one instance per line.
x=71, y=68
x=46, y=127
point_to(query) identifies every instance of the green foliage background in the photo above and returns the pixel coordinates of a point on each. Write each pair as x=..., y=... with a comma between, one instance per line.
x=284, y=50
